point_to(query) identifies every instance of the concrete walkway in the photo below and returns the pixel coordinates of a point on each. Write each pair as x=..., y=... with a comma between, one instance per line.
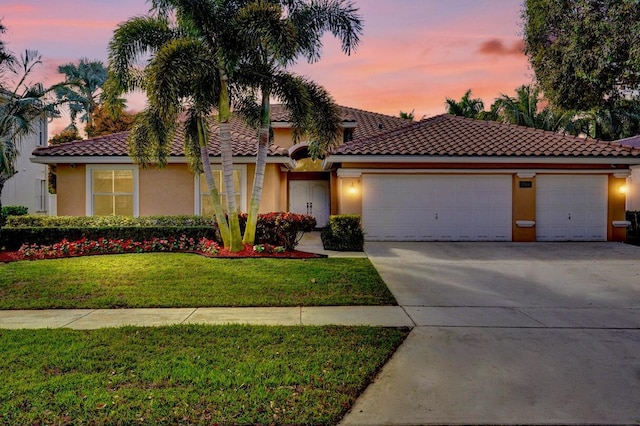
x=88, y=319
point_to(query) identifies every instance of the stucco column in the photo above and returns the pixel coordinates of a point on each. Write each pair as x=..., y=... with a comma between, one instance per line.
x=349, y=192
x=616, y=215
x=524, y=207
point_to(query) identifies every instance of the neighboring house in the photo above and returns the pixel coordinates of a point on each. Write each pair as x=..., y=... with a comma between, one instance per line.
x=441, y=179
x=633, y=182
x=28, y=187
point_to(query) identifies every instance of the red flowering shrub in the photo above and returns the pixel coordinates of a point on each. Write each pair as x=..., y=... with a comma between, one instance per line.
x=281, y=229
x=85, y=247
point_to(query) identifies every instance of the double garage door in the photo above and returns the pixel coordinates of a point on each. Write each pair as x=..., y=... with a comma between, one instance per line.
x=437, y=208
x=479, y=207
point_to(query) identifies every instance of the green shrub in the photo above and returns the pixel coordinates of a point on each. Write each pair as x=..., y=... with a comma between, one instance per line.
x=343, y=233
x=633, y=231
x=12, y=211
x=276, y=229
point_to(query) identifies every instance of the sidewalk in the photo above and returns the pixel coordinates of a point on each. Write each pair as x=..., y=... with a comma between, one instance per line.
x=87, y=319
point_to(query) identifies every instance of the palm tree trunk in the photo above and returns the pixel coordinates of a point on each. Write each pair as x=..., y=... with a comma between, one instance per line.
x=261, y=163
x=218, y=210
x=226, y=152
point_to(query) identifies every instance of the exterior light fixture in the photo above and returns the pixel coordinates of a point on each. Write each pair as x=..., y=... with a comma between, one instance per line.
x=622, y=189
x=352, y=189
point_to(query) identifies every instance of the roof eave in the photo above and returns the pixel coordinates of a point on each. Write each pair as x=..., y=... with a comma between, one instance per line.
x=119, y=159
x=377, y=159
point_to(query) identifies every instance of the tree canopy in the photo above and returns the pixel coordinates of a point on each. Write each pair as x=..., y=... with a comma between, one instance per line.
x=585, y=53
x=22, y=104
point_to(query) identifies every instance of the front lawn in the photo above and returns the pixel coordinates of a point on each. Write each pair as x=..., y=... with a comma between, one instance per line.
x=189, y=374
x=187, y=280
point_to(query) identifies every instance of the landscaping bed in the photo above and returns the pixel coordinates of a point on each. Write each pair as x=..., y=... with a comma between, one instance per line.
x=189, y=374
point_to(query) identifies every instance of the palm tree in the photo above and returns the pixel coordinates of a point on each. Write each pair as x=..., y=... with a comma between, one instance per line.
x=407, y=115
x=220, y=47
x=466, y=107
x=20, y=107
x=181, y=75
x=524, y=110
x=290, y=28
x=81, y=88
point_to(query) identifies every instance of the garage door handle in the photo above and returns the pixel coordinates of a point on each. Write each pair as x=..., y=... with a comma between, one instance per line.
x=569, y=216
x=436, y=216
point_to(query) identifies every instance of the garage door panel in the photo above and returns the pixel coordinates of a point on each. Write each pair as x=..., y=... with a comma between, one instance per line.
x=437, y=208
x=571, y=208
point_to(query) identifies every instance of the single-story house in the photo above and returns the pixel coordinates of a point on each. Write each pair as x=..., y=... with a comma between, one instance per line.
x=633, y=181
x=445, y=178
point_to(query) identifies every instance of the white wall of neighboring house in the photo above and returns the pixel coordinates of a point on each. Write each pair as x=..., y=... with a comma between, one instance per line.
x=29, y=186
x=633, y=189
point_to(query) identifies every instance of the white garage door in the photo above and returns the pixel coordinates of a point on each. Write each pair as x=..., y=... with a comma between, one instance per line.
x=571, y=208
x=436, y=208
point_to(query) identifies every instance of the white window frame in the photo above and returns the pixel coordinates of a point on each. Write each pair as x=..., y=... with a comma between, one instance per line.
x=218, y=167
x=41, y=195
x=42, y=132
x=89, y=185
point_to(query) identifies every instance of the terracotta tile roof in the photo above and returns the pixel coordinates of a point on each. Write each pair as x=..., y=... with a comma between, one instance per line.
x=447, y=135
x=367, y=124
x=244, y=144
x=244, y=138
x=633, y=141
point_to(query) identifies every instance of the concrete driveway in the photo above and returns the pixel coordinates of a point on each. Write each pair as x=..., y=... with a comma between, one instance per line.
x=527, y=333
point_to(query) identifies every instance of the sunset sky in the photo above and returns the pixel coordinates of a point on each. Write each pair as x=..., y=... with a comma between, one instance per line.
x=413, y=53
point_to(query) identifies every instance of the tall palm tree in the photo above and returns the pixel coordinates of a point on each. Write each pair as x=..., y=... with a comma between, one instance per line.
x=179, y=76
x=81, y=89
x=288, y=29
x=254, y=61
x=20, y=107
x=466, y=107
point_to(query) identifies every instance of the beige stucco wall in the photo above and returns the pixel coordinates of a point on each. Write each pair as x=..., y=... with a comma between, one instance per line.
x=71, y=190
x=282, y=137
x=272, y=197
x=349, y=195
x=167, y=191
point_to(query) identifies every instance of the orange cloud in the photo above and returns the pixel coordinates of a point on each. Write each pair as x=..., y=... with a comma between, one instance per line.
x=496, y=46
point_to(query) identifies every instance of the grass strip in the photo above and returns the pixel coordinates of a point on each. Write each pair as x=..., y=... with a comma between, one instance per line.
x=188, y=280
x=189, y=374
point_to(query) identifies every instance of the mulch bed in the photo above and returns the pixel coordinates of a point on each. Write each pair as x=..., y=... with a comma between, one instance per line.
x=13, y=256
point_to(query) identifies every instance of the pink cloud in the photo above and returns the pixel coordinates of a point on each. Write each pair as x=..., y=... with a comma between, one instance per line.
x=497, y=47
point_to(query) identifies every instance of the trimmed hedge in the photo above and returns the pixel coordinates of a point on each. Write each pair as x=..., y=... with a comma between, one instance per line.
x=277, y=229
x=34, y=221
x=7, y=211
x=343, y=233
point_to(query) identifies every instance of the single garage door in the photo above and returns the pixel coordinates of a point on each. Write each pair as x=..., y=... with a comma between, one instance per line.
x=437, y=208
x=571, y=207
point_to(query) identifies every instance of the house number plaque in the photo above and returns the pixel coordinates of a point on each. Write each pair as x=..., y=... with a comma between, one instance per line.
x=526, y=184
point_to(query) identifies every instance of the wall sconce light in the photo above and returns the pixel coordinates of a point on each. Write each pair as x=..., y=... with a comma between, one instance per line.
x=622, y=189
x=352, y=189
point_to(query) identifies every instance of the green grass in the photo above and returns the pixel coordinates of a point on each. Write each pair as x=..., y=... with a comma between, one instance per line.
x=187, y=280
x=188, y=374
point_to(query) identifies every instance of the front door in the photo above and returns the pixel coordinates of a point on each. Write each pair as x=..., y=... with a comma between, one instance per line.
x=310, y=197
